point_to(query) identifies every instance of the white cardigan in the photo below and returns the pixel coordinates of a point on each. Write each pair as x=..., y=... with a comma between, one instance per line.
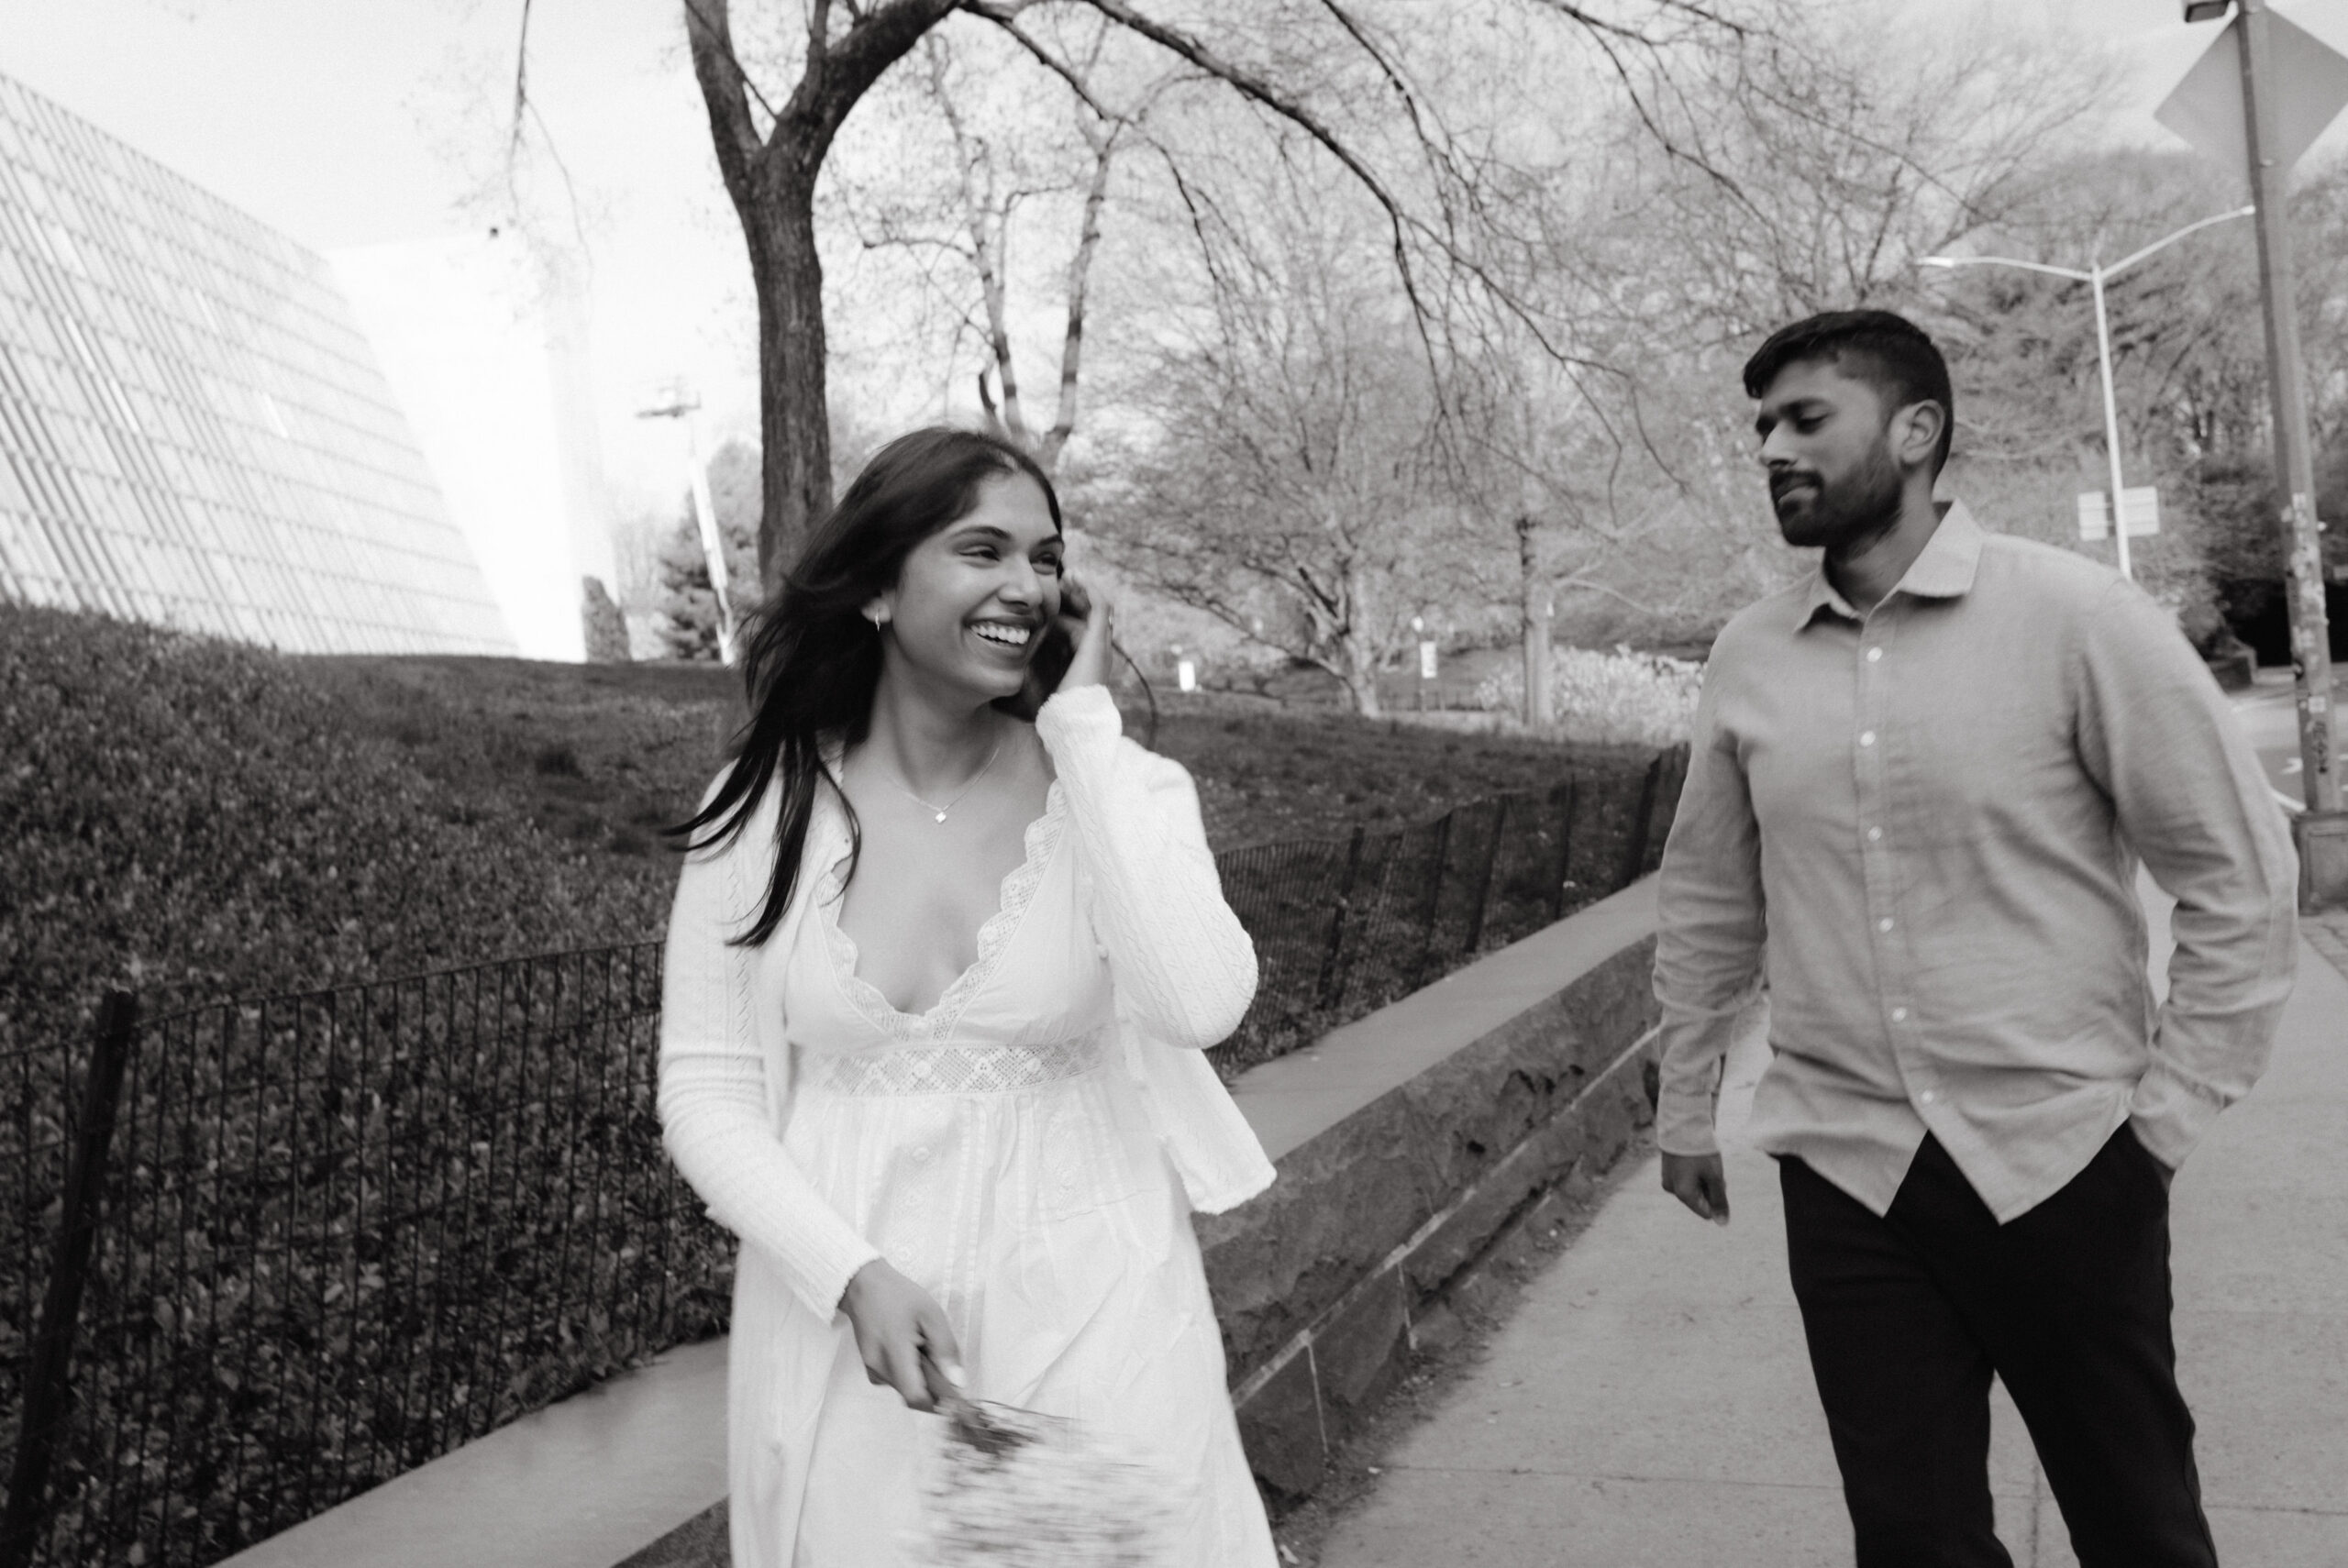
x=1182, y=967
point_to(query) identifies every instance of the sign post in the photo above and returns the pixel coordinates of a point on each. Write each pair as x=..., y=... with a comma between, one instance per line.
x=2283, y=105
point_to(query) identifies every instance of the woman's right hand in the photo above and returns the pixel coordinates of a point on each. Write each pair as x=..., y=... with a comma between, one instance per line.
x=902, y=1335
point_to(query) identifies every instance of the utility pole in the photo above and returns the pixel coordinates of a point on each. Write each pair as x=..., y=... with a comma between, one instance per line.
x=2294, y=460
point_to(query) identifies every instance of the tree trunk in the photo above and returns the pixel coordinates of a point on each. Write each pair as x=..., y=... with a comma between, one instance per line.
x=1536, y=628
x=771, y=182
x=1080, y=267
x=1361, y=676
x=794, y=427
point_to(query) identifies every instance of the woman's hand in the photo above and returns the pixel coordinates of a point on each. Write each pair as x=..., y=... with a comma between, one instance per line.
x=1084, y=614
x=902, y=1336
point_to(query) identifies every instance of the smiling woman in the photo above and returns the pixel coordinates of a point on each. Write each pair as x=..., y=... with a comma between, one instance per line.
x=945, y=953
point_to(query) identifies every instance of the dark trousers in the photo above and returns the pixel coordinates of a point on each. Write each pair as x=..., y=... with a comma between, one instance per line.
x=1909, y=1315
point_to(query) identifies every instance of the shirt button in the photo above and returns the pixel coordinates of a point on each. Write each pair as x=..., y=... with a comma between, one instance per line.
x=1866, y=737
x=1874, y=655
x=1927, y=1097
x=921, y=1156
x=1898, y=1015
x=1884, y=924
x=1874, y=835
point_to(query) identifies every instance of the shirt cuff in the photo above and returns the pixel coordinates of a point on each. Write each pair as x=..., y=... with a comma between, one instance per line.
x=2169, y=1117
x=1683, y=1123
x=826, y=1281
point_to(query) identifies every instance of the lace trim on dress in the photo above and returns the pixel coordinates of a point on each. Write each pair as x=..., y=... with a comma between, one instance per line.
x=951, y=1069
x=1019, y=884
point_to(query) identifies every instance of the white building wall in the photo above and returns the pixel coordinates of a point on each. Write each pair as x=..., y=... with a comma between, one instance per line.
x=490, y=361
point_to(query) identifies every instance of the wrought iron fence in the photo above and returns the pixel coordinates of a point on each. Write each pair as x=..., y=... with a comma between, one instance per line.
x=1343, y=927
x=260, y=1256
x=341, y=1233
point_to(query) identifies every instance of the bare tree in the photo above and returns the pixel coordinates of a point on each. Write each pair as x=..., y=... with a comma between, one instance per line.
x=1285, y=477
x=992, y=183
x=772, y=148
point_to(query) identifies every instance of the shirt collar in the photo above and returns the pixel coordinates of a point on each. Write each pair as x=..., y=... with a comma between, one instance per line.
x=1943, y=570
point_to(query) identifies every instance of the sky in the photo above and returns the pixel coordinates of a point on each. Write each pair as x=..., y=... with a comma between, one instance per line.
x=352, y=123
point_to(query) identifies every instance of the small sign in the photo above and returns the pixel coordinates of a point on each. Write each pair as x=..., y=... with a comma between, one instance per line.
x=1186, y=675
x=1427, y=661
x=2095, y=517
x=2139, y=509
x=2206, y=107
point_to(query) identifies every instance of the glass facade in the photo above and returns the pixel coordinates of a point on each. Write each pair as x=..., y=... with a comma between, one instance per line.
x=193, y=430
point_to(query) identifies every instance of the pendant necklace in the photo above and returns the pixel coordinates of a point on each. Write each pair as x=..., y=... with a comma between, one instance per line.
x=939, y=811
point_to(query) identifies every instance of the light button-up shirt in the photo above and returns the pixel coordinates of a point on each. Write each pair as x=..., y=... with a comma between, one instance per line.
x=1926, y=820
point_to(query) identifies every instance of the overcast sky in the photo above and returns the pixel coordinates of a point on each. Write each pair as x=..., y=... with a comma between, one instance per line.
x=358, y=122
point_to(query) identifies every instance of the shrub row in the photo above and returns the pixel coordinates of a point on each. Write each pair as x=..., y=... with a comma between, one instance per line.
x=187, y=817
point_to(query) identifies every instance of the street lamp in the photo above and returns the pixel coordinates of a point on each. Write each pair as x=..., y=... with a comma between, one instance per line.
x=2207, y=10
x=2096, y=276
x=679, y=402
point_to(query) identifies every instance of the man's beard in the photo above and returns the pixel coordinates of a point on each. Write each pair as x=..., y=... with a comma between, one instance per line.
x=1864, y=504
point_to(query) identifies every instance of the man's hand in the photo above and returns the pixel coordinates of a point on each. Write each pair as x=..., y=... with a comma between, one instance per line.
x=898, y=1326
x=1699, y=1181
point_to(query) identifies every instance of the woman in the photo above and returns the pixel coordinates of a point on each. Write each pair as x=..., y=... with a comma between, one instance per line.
x=938, y=982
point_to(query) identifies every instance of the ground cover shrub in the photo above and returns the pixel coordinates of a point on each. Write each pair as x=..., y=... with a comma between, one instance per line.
x=600, y=756
x=1618, y=696
x=189, y=817
x=1267, y=775
x=295, y=1211
x=193, y=819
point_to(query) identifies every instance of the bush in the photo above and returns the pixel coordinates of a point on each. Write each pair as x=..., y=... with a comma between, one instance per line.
x=191, y=818
x=187, y=817
x=1618, y=698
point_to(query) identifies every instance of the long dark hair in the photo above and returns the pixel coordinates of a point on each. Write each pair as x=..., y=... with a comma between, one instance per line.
x=812, y=663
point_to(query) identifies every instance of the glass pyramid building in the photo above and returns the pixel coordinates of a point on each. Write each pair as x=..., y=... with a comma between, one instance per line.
x=193, y=430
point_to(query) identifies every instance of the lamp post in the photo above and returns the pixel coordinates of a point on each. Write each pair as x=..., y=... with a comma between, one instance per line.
x=677, y=402
x=2095, y=277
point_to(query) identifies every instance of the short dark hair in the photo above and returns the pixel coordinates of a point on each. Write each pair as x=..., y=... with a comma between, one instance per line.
x=1890, y=352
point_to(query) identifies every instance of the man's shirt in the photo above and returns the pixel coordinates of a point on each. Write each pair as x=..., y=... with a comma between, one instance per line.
x=1934, y=813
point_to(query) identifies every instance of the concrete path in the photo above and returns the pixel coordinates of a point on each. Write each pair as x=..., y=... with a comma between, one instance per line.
x=1651, y=1401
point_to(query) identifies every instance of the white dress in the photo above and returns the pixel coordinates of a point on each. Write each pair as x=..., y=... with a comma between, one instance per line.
x=1003, y=1150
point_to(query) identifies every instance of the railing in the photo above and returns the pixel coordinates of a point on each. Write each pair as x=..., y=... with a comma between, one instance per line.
x=260, y=1256
x=335, y=1235
x=1343, y=927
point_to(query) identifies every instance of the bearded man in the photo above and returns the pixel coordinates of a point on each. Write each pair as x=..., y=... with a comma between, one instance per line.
x=1927, y=775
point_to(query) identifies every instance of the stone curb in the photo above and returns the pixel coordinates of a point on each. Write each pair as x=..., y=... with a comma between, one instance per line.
x=1298, y=1404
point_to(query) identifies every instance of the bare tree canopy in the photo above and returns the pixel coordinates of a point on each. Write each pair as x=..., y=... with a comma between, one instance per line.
x=1333, y=72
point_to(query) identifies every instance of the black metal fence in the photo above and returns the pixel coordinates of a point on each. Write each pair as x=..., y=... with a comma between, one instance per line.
x=261, y=1255
x=1343, y=927
x=332, y=1236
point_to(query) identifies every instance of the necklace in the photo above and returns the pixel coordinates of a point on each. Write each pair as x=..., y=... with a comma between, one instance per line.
x=939, y=811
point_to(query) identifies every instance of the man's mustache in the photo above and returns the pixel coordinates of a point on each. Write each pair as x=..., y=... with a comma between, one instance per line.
x=1787, y=479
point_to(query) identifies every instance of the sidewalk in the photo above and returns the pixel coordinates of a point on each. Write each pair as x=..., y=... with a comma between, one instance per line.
x=1651, y=1401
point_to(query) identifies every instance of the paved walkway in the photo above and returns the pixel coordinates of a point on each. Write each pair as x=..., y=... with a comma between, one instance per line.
x=1650, y=1403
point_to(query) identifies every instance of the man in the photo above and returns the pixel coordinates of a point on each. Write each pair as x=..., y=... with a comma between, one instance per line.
x=1927, y=773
